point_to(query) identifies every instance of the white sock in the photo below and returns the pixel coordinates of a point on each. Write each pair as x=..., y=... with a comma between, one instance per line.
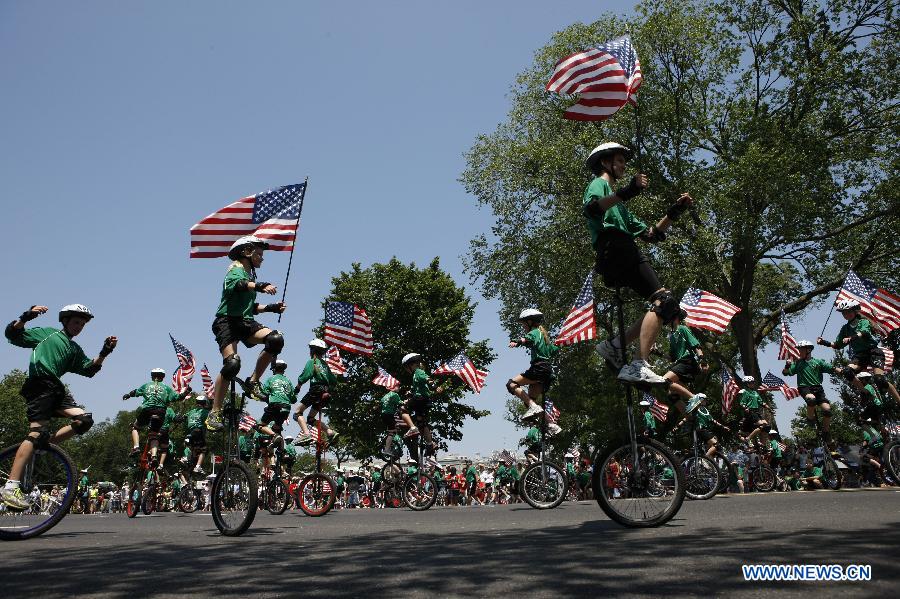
x=12, y=484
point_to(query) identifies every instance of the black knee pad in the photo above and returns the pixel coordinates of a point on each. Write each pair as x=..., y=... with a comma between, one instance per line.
x=231, y=366
x=277, y=427
x=881, y=383
x=766, y=427
x=155, y=425
x=42, y=441
x=82, y=423
x=849, y=374
x=274, y=343
x=511, y=386
x=668, y=307
x=826, y=412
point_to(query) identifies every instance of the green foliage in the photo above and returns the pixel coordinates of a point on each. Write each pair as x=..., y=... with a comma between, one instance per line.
x=13, y=421
x=778, y=117
x=412, y=310
x=105, y=448
x=844, y=430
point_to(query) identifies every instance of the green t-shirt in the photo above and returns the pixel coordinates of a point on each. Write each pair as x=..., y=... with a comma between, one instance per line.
x=280, y=390
x=668, y=473
x=750, y=399
x=775, y=449
x=570, y=469
x=390, y=403
x=196, y=418
x=471, y=474
x=812, y=471
x=681, y=343
x=583, y=478
x=421, y=388
x=873, y=394
x=809, y=372
x=704, y=418
x=533, y=436
x=246, y=446
x=873, y=438
x=617, y=218
x=234, y=303
x=83, y=483
x=168, y=420
x=513, y=473
x=54, y=353
x=502, y=472
x=155, y=394
x=851, y=329
x=649, y=421
x=316, y=372
x=376, y=476
x=541, y=349
x=290, y=451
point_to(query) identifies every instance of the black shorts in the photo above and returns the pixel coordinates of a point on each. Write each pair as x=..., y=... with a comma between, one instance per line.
x=541, y=372
x=164, y=440
x=534, y=449
x=196, y=439
x=621, y=264
x=389, y=421
x=748, y=424
x=873, y=411
x=276, y=413
x=686, y=369
x=815, y=390
x=419, y=407
x=755, y=414
x=228, y=330
x=316, y=397
x=150, y=416
x=872, y=358
x=706, y=435
x=44, y=397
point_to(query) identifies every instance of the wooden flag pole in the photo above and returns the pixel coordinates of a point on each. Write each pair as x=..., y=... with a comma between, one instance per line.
x=291, y=259
x=830, y=312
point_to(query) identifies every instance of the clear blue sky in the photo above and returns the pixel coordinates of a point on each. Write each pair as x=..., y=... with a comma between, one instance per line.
x=125, y=123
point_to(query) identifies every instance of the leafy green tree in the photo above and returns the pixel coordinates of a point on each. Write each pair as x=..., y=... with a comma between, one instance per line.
x=844, y=430
x=779, y=117
x=13, y=420
x=412, y=309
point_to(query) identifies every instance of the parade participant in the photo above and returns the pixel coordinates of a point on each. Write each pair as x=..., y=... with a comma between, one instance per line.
x=687, y=362
x=279, y=395
x=539, y=375
x=704, y=419
x=873, y=402
x=872, y=447
x=649, y=428
x=54, y=353
x=195, y=438
x=318, y=374
x=165, y=441
x=418, y=406
x=390, y=408
x=157, y=397
x=752, y=403
x=810, y=373
x=234, y=323
x=613, y=231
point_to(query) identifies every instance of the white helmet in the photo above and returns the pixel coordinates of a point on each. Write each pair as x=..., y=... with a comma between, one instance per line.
x=569, y=455
x=749, y=380
x=845, y=305
x=318, y=344
x=413, y=357
x=805, y=343
x=864, y=374
x=279, y=364
x=157, y=371
x=531, y=314
x=605, y=149
x=75, y=310
x=235, y=252
x=644, y=403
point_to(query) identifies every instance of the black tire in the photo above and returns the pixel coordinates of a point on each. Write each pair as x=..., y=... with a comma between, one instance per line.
x=702, y=478
x=763, y=479
x=135, y=497
x=233, y=509
x=831, y=474
x=419, y=491
x=187, y=499
x=640, y=493
x=316, y=494
x=279, y=497
x=543, y=485
x=890, y=459
x=51, y=466
x=148, y=500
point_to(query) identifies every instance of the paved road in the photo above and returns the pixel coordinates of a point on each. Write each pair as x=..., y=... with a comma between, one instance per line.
x=480, y=551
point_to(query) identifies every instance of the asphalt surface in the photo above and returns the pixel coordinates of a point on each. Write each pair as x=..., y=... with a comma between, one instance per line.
x=573, y=550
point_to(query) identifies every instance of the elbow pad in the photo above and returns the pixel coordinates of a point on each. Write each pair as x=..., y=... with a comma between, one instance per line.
x=93, y=369
x=593, y=208
x=242, y=285
x=653, y=235
x=11, y=331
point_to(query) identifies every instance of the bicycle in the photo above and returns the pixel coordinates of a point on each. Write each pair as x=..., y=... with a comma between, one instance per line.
x=274, y=492
x=47, y=468
x=640, y=498
x=419, y=488
x=702, y=476
x=316, y=492
x=234, y=493
x=544, y=483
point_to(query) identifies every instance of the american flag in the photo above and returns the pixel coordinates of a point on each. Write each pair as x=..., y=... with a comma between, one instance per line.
x=605, y=78
x=781, y=446
x=334, y=361
x=313, y=430
x=729, y=390
x=182, y=376
x=272, y=215
x=659, y=410
x=879, y=305
x=707, y=311
x=788, y=347
x=463, y=367
x=384, y=379
x=208, y=383
x=551, y=411
x=888, y=359
x=580, y=325
x=770, y=382
x=506, y=457
x=575, y=453
x=247, y=422
x=348, y=327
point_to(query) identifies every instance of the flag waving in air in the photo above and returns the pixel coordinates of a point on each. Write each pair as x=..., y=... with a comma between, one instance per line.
x=729, y=390
x=463, y=367
x=272, y=215
x=707, y=311
x=659, y=410
x=384, y=379
x=605, y=78
x=788, y=349
x=879, y=305
x=182, y=376
x=579, y=325
x=348, y=327
x=770, y=382
x=247, y=422
x=208, y=384
x=334, y=361
x=551, y=412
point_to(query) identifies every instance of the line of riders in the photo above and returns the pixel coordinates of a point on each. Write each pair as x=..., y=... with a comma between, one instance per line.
x=614, y=232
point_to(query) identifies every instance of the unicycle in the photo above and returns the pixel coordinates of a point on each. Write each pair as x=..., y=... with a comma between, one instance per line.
x=544, y=483
x=316, y=493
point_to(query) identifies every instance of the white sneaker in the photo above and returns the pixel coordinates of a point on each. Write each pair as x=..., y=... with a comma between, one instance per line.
x=694, y=403
x=609, y=353
x=640, y=372
x=533, y=411
x=432, y=461
x=553, y=429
